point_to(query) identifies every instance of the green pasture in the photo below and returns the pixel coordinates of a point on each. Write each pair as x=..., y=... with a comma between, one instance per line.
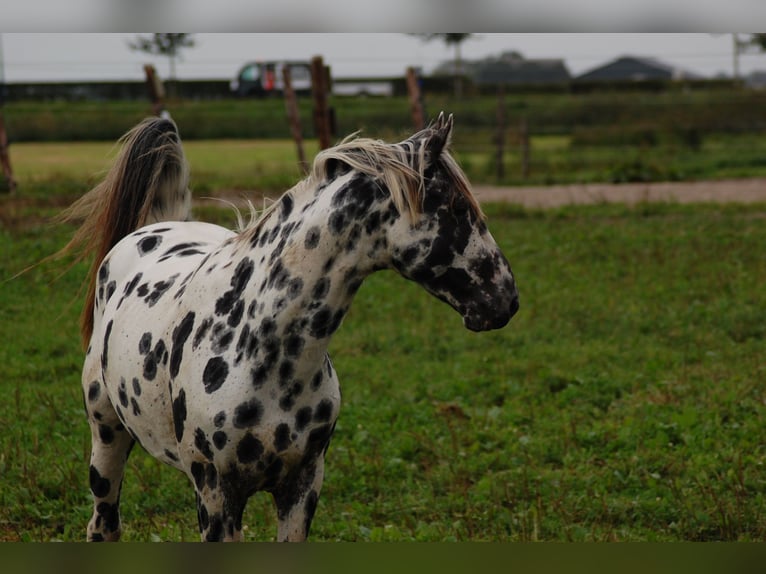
x=232, y=166
x=625, y=401
x=600, y=136
x=45, y=170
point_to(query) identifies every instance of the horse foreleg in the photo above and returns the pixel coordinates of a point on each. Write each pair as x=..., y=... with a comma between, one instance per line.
x=219, y=514
x=297, y=501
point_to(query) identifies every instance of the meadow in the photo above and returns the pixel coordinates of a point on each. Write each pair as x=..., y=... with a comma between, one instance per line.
x=675, y=134
x=625, y=401
x=231, y=167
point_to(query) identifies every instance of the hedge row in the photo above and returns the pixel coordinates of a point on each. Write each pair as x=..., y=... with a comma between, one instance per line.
x=588, y=117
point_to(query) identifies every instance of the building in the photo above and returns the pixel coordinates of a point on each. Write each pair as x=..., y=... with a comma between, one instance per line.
x=510, y=68
x=636, y=69
x=756, y=80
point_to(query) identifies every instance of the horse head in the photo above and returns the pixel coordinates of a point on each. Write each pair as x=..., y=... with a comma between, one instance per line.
x=446, y=247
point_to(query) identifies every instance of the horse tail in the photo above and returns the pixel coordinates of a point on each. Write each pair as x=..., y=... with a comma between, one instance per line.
x=147, y=183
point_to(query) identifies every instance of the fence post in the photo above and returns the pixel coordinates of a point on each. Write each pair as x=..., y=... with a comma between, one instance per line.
x=524, y=137
x=500, y=134
x=5, y=158
x=319, y=86
x=416, y=99
x=291, y=104
x=156, y=90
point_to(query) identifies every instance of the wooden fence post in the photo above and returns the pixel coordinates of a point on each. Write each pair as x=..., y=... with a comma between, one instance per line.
x=291, y=104
x=524, y=137
x=319, y=88
x=416, y=100
x=5, y=158
x=500, y=134
x=156, y=90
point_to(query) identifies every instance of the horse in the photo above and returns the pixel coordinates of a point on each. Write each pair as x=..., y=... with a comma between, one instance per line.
x=208, y=346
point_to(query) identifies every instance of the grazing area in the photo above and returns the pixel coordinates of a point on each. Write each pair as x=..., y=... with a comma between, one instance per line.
x=624, y=402
x=602, y=136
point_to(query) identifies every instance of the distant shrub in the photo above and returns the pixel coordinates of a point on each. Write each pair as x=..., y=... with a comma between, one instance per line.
x=689, y=137
x=639, y=169
x=621, y=135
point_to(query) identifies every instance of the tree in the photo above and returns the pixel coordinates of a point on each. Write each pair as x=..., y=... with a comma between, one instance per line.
x=456, y=40
x=742, y=46
x=166, y=44
x=759, y=41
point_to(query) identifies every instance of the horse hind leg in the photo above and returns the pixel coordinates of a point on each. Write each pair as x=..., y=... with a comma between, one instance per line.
x=111, y=445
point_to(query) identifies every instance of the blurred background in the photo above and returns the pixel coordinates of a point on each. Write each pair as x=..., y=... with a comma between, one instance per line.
x=530, y=108
x=625, y=402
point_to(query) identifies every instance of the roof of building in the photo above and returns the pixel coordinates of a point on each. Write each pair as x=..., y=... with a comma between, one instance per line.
x=636, y=68
x=511, y=68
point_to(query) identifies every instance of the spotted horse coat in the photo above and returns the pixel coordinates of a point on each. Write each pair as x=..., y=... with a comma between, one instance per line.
x=209, y=347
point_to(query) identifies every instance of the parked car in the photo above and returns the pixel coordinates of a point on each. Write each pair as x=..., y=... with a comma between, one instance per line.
x=262, y=79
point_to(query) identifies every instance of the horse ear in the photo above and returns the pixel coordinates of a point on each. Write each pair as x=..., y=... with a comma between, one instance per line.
x=441, y=133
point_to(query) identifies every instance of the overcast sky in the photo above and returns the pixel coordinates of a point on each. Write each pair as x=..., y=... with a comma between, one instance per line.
x=106, y=56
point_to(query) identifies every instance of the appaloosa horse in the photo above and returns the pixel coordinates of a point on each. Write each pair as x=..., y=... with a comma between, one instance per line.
x=209, y=347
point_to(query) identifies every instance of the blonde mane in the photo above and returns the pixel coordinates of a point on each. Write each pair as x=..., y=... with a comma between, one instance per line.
x=400, y=168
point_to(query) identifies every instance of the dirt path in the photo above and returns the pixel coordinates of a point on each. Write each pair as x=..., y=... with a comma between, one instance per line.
x=16, y=211
x=723, y=191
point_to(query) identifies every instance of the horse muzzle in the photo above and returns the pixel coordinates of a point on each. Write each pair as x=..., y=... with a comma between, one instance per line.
x=491, y=317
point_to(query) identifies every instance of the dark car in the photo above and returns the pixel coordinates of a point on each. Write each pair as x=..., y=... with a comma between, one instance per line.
x=260, y=79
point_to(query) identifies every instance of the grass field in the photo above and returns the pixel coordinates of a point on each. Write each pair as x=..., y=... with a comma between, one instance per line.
x=624, y=402
x=43, y=169
x=235, y=144
x=48, y=169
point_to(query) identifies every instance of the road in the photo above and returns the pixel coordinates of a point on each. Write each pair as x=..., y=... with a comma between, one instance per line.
x=720, y=191
x=723, y=191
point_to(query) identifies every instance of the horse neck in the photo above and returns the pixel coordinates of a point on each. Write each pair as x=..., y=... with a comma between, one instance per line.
x=314, y=251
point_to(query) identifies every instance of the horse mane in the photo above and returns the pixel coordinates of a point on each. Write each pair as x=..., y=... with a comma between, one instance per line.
x=399, y=167
x=148, y=182
x=387, y=163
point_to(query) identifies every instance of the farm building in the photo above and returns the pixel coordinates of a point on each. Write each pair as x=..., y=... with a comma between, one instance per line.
x=756, y=80
x=511, y=68
x=636, y=69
